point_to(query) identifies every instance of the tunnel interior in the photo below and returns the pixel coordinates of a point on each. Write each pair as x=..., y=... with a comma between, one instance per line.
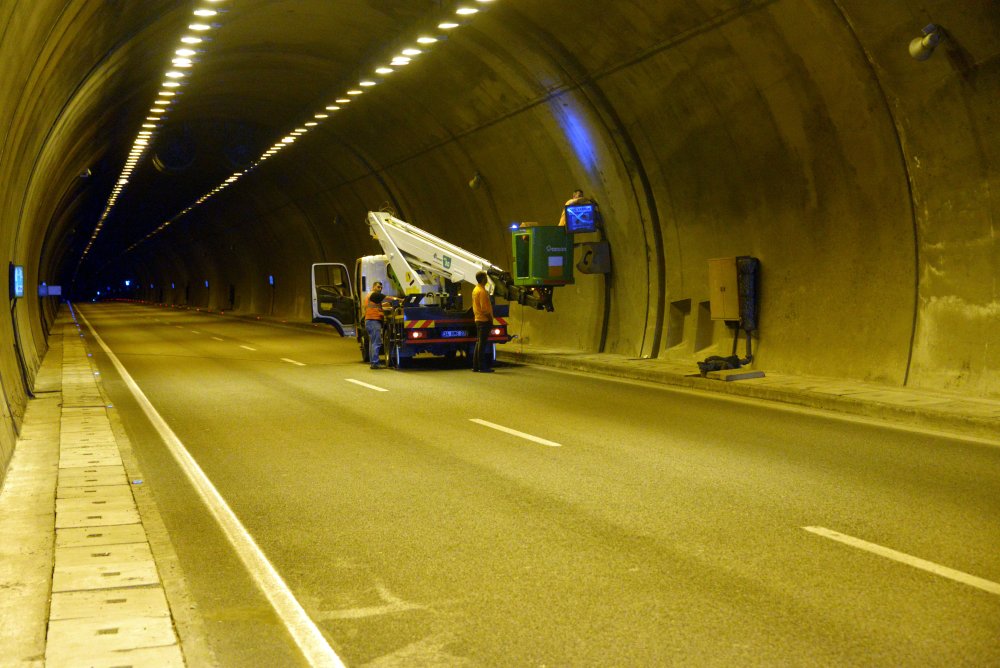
x=805, y=134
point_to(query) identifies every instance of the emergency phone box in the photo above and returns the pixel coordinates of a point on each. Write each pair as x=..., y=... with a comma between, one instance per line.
x=543, y=255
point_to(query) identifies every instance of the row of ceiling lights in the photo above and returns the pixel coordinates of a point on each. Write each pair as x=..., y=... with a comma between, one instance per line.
x=404, y=57
x=206, y=16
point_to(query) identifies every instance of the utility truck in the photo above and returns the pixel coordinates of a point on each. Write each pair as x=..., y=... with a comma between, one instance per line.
x=426, y=273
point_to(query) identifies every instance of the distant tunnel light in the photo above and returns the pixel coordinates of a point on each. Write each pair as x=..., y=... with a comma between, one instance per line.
x=404, y=57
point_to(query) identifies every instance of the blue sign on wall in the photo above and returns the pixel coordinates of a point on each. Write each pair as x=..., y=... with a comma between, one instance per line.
x=16, y=281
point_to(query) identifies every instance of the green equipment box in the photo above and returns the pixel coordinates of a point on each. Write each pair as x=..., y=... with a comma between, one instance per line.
x=543, y=255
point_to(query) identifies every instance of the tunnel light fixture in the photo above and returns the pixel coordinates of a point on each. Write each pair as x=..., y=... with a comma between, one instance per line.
x=404, y=56
x=182, y=59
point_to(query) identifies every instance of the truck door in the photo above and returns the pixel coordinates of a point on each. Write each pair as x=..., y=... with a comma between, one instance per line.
x=332, y=297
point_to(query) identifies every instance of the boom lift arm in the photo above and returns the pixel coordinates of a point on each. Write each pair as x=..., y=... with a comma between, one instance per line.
x=421, y=260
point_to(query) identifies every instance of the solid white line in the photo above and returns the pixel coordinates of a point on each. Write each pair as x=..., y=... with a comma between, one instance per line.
x=514, y=432
x=249, y=348
x=370, y=387
x=217, y=338
x=302, y=629
x=285, y=359
x=903, y=558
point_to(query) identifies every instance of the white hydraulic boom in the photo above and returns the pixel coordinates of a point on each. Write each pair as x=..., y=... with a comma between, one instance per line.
x=421, y=260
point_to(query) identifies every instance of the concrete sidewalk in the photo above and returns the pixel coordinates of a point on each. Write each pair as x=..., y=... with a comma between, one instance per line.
x=78, y=581
x=950, y=412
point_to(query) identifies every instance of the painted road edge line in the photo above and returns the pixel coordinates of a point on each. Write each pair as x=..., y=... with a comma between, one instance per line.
x=514, y=432
x=303, y=630
x=363, y=384
x=285, y=359
x=909, y=560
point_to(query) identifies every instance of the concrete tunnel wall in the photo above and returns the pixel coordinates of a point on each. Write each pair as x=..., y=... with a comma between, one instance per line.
x=798, y=132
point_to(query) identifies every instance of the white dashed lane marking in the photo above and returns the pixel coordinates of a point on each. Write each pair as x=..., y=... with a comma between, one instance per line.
x=285, y=359
x=519, y=434
x=909, y=560
x=248, y=348
x=370, y=387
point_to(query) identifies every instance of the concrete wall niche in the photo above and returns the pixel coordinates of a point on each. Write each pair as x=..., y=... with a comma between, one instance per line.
x=677, y=323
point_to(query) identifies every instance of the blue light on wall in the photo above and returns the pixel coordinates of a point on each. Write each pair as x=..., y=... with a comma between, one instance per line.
x=577, y=133
x=206, y=283
x=127, y=282
x=16, y=281
x=270, y=279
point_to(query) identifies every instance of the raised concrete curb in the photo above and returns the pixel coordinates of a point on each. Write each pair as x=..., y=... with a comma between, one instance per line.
x=929, y=410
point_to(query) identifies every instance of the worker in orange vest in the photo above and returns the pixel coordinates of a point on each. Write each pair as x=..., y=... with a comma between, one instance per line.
x=482, y=310
x=374, y=317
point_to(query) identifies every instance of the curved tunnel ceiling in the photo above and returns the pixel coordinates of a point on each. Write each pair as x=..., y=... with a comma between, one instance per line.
x=799, y=132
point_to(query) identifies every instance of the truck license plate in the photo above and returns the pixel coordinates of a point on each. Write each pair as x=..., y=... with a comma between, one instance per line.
x=452, y=333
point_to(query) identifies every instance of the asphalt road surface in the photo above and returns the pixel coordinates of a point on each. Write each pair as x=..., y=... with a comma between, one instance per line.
x=436, y=517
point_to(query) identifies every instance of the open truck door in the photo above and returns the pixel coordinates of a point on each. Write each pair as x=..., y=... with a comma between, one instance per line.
x=333, y=298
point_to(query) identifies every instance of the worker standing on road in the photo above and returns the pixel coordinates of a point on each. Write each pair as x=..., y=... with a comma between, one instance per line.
x=374, y=316
x=482, y=309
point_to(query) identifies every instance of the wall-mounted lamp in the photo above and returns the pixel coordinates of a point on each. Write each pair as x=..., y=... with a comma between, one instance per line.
x=476, y=182
x=922, y=48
